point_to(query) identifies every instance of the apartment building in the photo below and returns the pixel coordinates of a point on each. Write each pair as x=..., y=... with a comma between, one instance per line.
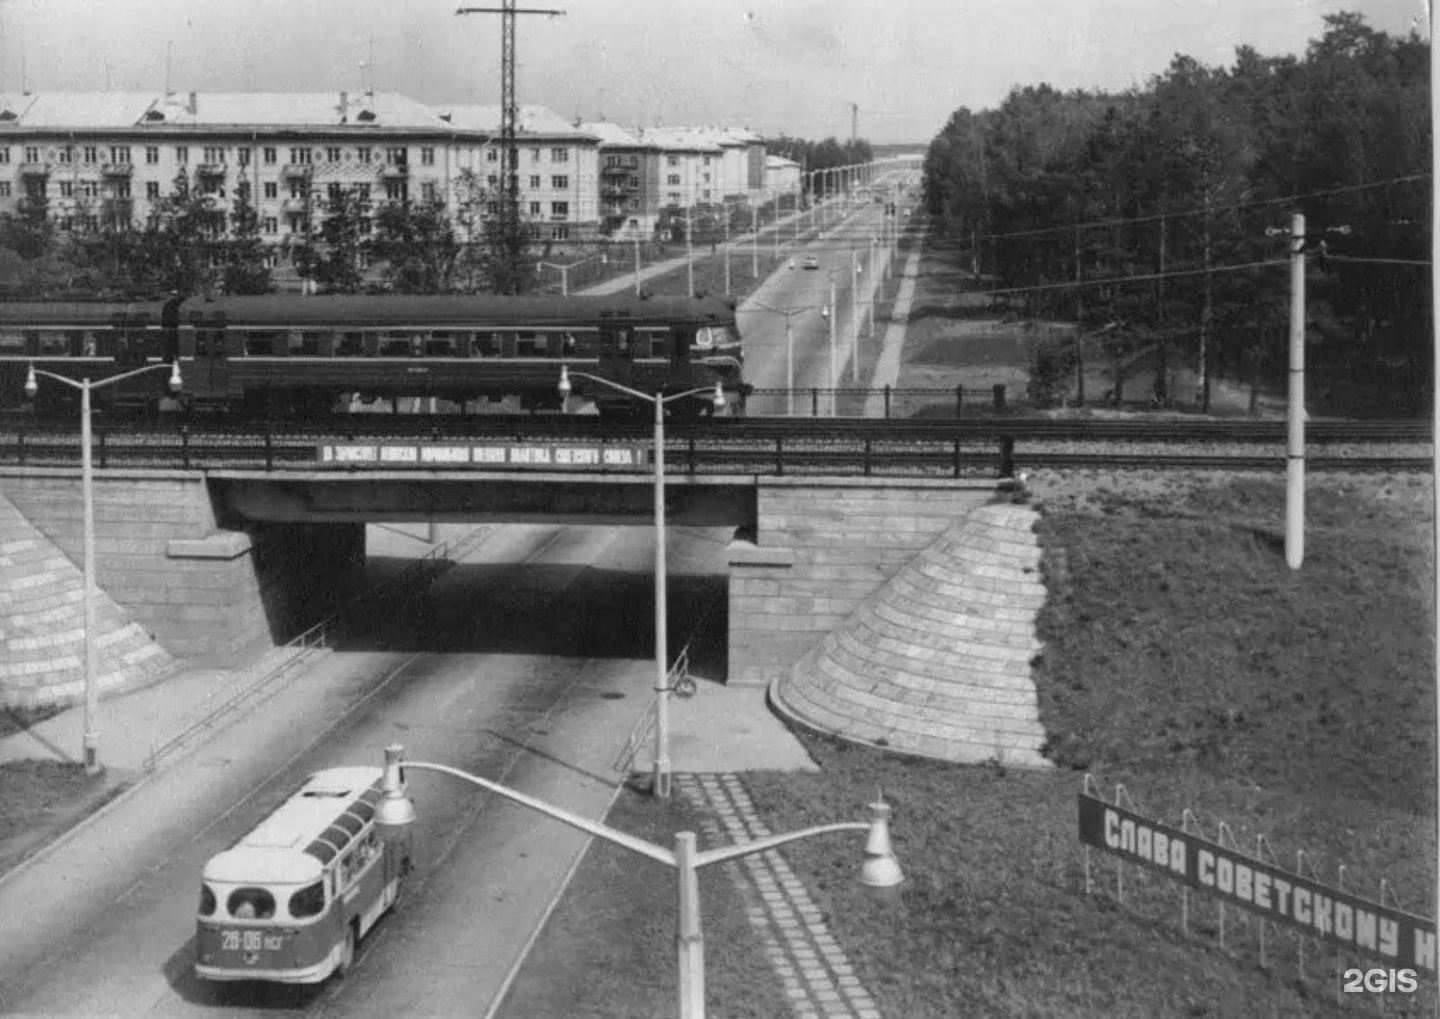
x=558, y=165
x=629, y=181
x=100, y=160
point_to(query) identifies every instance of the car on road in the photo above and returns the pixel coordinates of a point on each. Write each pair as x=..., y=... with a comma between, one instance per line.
x=812, y=262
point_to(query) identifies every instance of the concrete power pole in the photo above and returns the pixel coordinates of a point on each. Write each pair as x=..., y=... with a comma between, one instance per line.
x=509, y=117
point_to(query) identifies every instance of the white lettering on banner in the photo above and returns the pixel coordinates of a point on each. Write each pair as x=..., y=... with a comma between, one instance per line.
x=350, y=454
x=529, y=455
x=444, y=454
x=487, y=454
x=398, y=454
x=619, y=457
x=1150, y=845
x=577, y=456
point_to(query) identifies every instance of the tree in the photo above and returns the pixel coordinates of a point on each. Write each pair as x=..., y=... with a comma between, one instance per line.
x=173, y=252
x=494, y=257
x=245, y=270
x=418, y=245
x=333, y=260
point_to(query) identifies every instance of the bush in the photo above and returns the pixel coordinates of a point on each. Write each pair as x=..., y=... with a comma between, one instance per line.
x=1051, y=362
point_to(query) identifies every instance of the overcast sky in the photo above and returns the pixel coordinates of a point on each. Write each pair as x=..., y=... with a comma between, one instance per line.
x=791, y=66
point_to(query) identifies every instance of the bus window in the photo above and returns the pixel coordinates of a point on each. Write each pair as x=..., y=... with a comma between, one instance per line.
x=308, y=901
x=250, y=904
x=207, y=900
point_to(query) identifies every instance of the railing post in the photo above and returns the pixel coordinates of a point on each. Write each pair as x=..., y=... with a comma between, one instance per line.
x=867, y=456
x=690, y=453
x=815, y=402
x=269, y=449
x=1007, y=456
x=887, y=401
x=185, y=447
x=959, y=399
x=999, y=396
x=957, y=456
x=100, y=437
x=779, y=456
x=20, y=445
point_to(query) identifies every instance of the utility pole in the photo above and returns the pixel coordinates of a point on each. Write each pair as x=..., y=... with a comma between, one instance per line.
x=511, y=240
x=854, y=120
x=1295, y=411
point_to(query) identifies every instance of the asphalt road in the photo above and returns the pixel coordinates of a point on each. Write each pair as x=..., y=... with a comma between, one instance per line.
x=807, y=362
x=532, y=670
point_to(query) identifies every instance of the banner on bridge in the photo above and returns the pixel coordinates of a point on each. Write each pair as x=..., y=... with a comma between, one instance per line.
x=484, y=455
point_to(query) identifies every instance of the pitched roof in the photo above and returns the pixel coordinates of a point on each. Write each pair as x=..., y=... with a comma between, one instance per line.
x=611, y=133
x=682, y=139
x=537, y=121
x=294, y=109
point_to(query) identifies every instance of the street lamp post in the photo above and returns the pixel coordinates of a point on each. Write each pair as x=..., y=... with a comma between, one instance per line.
x=855, y=316
x=880, y=872
x=661, y=783
x=832, y=313
x=87, y=525
x=789, y=351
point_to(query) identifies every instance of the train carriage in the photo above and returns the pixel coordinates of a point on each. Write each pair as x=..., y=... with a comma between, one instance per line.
x=296, y=355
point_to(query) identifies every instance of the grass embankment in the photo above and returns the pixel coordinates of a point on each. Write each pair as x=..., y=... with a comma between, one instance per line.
x=1183, y=658
x=42, y=799
x=608, y=951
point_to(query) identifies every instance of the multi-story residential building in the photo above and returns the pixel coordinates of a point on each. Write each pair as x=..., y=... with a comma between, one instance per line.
x=557, y=163
x=103, y=159
x=629, y=181
x=691, y=166
x=781, y=175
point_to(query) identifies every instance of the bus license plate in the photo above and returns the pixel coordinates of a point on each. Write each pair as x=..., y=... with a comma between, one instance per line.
x=251, y=941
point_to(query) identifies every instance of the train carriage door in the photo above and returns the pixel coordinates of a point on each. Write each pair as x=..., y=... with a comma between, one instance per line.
x=170, y=330
x=212, y=360
x=616, y=351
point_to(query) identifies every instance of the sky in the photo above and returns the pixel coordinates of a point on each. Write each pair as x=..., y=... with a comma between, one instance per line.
x=774, y=66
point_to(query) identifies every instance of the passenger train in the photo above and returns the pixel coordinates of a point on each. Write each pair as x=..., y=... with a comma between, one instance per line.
x=293, y=355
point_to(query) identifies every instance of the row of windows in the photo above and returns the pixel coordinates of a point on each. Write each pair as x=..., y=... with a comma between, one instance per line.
x=557, y=155
x=218, y=154
x=674, y=179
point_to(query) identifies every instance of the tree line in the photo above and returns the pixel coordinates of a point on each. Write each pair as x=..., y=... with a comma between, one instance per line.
x=1158, y=218
x=827, y=154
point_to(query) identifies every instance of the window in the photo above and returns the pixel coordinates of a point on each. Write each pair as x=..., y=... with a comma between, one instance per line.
x=364, y=192
x=300, y=157
x=673, y=198
x=4, y=189
x=705, y=194
x=705, y=177
x=122, y=189
x=297, y=191
x=32, y=153
x=428, y=191
x=492, y=155
x=395, y=155
x=559, y=233
x=250, y=904
x=4, y=153
x=534, y=180
x=364, y=154
x=534, y=208
x=242, y=156
x=706, y=160
x=92, y=154
x=612, y=161
x=89, y=189
x=534, y=155
x=395, y=190
x=673, y=179
x=67, y=189
x=272, y=189
x=492, y=180
x=334, y=192
x=560, y=182
x=308, y=901
x=296, y=222
x=427, y=157
x=672, y=160
x=242, y=190
x=152, y=189
x=152, y=154
x=182, y=153
x=559, y=208
x=119, y=153
x=559, y=155
x=332, y=154
x=64, y=155
x=214, y=154
x=269, y=156
x=271, y=225
x=207, y=900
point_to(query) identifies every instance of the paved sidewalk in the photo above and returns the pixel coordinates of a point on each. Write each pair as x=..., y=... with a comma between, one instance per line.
x=887, y=369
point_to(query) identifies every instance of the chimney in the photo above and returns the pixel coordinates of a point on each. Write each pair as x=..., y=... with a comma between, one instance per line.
x=194, y=105
x=344, y=107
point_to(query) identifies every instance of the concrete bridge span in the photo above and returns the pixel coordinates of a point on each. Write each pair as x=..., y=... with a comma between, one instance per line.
x=214, y=564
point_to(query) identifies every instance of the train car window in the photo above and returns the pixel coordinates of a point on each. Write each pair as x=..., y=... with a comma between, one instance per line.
x=55, y=344
x=12, y=343
x=586, y=343
x=307, y=344
x=440, y=345
x=531, y=345
x=350, y=345
x=265, y=344
x=486, y=345
x=394, y=345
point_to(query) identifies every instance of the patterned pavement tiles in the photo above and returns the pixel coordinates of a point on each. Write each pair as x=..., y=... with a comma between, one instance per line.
x=812, y=969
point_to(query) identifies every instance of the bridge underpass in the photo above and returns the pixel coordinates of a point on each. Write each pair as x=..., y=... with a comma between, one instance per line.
x=217, y=563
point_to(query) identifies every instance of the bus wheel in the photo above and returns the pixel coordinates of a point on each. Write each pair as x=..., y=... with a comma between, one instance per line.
x=347, y=951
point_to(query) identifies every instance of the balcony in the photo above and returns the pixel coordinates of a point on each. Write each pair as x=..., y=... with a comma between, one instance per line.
x=210, y=170
x=118, y=169
x=616, y=171
x=395, y=170
x=295, y=205
x=34, y=170
x=296, y=170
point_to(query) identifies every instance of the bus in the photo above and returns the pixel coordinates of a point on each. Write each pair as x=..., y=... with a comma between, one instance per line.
x=289, y=902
